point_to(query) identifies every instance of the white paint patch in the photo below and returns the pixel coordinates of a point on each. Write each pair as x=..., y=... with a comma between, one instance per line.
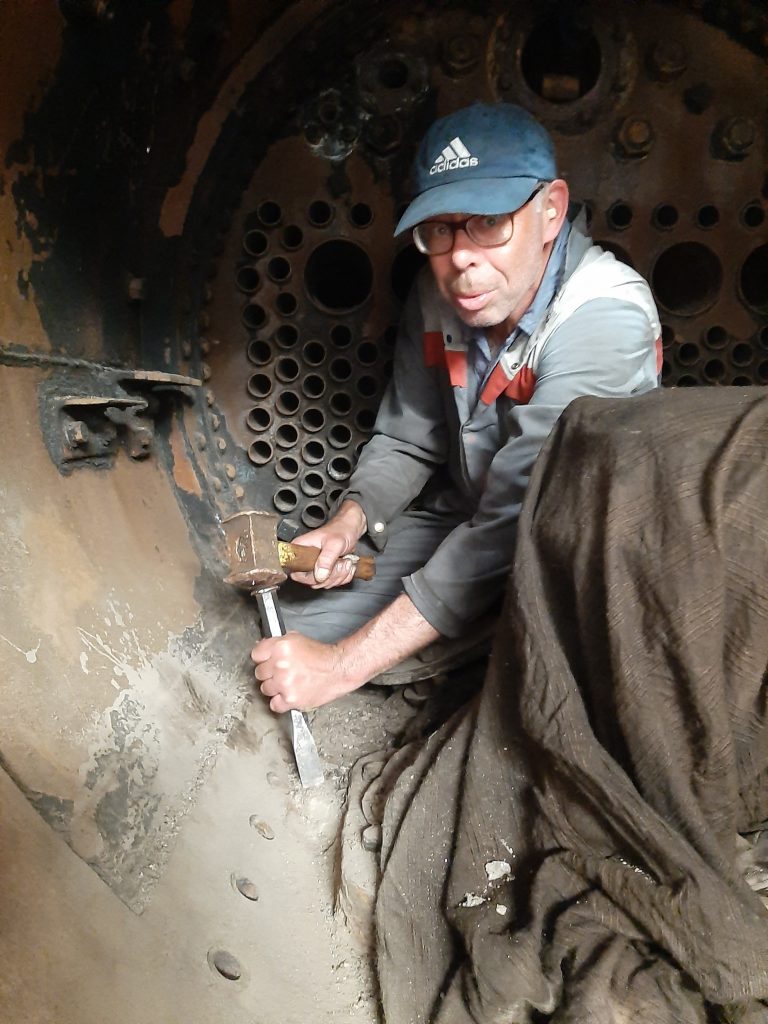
x=496, y=869
x=30, y=655
x=84, y=662
x=472, y=900
x=501, y=909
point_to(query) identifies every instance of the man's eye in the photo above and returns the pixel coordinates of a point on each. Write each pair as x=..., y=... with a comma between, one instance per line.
x=489, y=221
x=438, y=229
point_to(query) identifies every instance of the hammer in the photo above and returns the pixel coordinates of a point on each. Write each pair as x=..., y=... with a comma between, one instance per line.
x=259, y=563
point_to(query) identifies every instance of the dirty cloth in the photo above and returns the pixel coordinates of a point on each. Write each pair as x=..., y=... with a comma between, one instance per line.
x=564, y=848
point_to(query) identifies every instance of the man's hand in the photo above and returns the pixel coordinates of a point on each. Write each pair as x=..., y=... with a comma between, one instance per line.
x=335, y=539
x=296, y=672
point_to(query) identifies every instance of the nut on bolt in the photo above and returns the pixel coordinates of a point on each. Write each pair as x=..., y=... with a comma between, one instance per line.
x=634, y=137
x=76, y=434
x=384, y=134
x=460, y=54
x=734, y=137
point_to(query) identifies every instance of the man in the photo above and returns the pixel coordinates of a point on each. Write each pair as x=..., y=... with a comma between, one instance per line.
x=517, y=315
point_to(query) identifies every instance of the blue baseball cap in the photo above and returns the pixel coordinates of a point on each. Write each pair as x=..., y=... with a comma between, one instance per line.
x=485, y=158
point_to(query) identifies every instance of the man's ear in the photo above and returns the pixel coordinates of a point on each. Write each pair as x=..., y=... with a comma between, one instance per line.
x=555, y=208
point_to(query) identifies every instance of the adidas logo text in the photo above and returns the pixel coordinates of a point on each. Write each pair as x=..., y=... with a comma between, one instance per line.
x=454, y=155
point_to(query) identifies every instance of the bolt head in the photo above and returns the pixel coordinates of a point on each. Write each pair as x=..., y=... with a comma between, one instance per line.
x=635, y=136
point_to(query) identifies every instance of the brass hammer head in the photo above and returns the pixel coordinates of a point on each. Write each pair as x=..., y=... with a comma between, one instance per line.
x=252, y=549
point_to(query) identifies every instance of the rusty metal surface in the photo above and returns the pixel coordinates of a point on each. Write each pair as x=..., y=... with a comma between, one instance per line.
x=199, y=190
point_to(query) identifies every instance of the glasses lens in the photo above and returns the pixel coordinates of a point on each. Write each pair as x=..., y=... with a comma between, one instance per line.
x=490, y=229
x=433, y=237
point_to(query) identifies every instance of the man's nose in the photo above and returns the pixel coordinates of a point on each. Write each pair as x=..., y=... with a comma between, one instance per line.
x=464, y=251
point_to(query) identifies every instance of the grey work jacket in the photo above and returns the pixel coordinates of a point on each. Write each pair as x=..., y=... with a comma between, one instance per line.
x=598, y=336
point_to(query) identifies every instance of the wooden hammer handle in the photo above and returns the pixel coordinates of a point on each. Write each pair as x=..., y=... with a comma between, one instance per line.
x=301, y=558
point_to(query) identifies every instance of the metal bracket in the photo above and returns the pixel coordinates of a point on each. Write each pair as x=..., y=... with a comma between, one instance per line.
x=89, y=425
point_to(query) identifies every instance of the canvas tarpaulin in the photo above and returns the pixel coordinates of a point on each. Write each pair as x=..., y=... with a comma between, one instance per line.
x=564, y=847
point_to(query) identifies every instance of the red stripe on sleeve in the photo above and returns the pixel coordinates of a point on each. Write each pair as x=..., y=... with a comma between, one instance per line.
x=457, y=367
x=522, y=386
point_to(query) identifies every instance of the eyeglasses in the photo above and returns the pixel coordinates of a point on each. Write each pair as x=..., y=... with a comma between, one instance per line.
x=436, y=237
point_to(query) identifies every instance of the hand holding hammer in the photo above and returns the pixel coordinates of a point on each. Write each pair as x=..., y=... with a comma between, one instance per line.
x=259, y=564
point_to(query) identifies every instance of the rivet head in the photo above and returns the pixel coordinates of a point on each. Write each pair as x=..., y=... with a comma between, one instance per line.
x=200, y=441
x=221, y=444
x=246, y=888
x=378, y=527
x=226, y=964
x=230, y=470
x=239, y=491
x=217, y=485
x=215, y=421
x=206, y=370
x=264, y=830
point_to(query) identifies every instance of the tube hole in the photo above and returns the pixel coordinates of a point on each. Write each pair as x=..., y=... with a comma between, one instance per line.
x=254, y=316
x=762, y=373
x=269, y=214
x=314, y=353
x=561, y=58
x=619, y=216
x=313, y=452
x=716, y=337
x=313, y=385
x=286, y=335
x=341, y=335
x=339, y=467
x=740, y=381
x=667, y=335
x=279, y=269
x=259, y=385
x=259, y=351
x=287, y=369
x=687, y=381
x=338, y=276
x=255, y=243
x=714, y=371
x=708, y=216
x=259, y=419
x=687, y=278
x=247, y=279
x=365, y=420
x=287, y=403
x=286, y=435
x=339, y=436
x=666, y=371
x=688, y=354
x=313, y=419
x=332, y=496
x=742, y=354
x=340, y=369
x=665, y=216
x=313, y=515
x=286, y=467
x=361, y=215
x=340, y=403
x=286, y=304
x=753, y=278
x=366, y=386
x=293, y=237
x=753, y=215
x=285, y=499
x=320, y=213
x=367, y=353
x=313, y=484
x=260, y=452
x=762, y=337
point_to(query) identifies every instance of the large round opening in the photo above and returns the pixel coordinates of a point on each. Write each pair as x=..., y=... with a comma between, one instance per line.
x=338, y=276
x=687, y=278
x=561, y=58
x=754, y=280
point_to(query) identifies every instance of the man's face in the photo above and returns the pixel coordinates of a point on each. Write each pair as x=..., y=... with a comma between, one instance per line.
x=490, y=287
